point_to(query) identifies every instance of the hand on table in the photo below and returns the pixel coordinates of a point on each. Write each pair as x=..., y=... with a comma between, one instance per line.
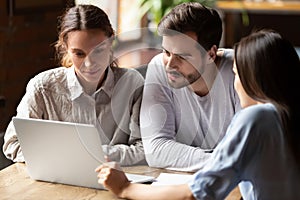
x=111, y=176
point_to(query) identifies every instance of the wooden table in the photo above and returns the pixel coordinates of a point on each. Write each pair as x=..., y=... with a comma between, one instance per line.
x=15, y=183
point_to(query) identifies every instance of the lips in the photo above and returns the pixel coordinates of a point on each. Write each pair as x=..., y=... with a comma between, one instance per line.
x=92, y=72
x=172, y=75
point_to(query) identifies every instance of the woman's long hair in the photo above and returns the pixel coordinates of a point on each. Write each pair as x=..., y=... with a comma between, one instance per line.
x=269, y=69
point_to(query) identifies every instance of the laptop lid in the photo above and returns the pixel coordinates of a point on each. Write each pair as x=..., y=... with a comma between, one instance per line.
x=63, y=152
x=60, y=152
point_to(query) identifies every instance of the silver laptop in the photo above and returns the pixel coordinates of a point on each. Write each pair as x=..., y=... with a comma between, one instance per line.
x=63, y=152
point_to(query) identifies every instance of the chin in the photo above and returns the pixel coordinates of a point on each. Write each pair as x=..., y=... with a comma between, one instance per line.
x=177, y=85
x=92, y=79
x=178, y=82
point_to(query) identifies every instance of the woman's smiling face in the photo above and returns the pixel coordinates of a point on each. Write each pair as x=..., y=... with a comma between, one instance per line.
x=90, y=53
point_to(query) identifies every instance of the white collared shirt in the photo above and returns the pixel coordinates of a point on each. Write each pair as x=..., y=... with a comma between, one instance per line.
x=114, y=108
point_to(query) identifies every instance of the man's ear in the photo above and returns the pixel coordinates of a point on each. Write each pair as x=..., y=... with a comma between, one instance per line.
x=212, y=54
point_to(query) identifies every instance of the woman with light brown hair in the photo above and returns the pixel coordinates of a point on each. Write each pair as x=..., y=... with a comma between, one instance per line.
x=89, y=88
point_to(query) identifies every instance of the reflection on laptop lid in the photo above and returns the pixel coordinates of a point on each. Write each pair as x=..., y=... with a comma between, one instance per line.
x=62, y=152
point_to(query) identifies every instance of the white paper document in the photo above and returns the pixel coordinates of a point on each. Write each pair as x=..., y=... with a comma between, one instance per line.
x=172, y=179
x=136, y=178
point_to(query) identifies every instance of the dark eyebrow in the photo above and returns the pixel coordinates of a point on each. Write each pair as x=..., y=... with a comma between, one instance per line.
x=177, y=54
x=76, y=49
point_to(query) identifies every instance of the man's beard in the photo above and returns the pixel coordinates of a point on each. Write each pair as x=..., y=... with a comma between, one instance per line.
x=181, y=80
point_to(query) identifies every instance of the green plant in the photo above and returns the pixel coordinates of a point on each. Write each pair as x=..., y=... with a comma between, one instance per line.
x=158, y=8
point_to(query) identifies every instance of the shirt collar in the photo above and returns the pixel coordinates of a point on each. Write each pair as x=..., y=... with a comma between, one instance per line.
x=108, y=84
x=74, y=86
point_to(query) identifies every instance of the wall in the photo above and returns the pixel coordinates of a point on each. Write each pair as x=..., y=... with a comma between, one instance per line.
x=282, y=16
x=288, y=25
x=25, y=50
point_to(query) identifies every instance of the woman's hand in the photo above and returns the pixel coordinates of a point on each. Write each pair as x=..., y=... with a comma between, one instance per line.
x=111, y=176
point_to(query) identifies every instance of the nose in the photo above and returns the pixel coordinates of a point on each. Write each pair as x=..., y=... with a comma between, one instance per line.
x=171, y=61
x=88, y=61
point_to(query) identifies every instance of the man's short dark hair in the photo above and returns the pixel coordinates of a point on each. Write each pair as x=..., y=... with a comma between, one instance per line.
x=194, y=17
